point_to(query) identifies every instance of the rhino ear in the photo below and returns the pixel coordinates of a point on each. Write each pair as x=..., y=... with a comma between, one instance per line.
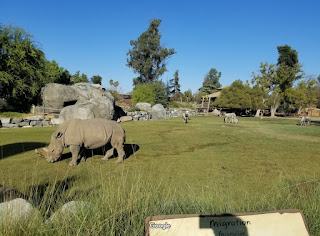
x=59, y=135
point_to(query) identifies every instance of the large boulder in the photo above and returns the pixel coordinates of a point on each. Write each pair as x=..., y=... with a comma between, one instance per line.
x=58, y=96
x=158, y=112
x=100, y=107
x=15, y=211
x=144, y=106
x=70, y=210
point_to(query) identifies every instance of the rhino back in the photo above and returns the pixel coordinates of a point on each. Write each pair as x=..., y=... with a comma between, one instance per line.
x=92, y=133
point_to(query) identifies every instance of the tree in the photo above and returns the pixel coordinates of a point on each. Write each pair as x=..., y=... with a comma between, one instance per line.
x=268, y=83
x=236, y=96
x=143, y=93
x=289, y=69
x=274, y=80
x=159, y=90
x=64, y=78
x=318, y=91
x=257, y=99
x=116, y=84
x=303, y=95
x=188, y=95
x=76, y=78
x=113, y=85
x=147, y=57
x=287, y=56
x=174, y=84
x=211, y=82
x=96, y=79
x=56, y=74
x=22, y=68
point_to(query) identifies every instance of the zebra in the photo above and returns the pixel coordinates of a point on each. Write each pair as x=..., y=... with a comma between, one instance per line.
x=305, y=120
x=185, y=117
x=230, y=118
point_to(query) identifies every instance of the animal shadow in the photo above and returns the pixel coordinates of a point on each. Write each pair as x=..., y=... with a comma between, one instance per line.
x=129, y=150
x=16, y=148
x=7, y=194
x=316, y=122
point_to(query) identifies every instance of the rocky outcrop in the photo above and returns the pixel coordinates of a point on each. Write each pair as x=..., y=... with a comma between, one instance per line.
x=69, y=210
x=100, y=107
x=158, y=112
x=16, y=210
x=58, y=96
x=144, y=106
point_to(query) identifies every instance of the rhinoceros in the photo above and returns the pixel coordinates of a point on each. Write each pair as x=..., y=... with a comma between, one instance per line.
x=90, y=134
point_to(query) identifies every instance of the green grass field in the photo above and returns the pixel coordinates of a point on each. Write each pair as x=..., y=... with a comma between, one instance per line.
x=204, y=166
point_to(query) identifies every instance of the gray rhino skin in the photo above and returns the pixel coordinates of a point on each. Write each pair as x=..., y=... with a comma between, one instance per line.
x=91, y=134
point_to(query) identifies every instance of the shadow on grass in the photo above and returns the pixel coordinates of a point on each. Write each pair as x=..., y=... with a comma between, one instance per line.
x=7, y=194
x=48, y=197
x=16, y=148
x=317, y=123
x=129, y=149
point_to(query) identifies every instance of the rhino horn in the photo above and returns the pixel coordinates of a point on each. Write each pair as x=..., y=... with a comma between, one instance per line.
x=39, y=153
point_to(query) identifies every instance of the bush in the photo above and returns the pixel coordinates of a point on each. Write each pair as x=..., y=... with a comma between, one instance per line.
x=143, y=93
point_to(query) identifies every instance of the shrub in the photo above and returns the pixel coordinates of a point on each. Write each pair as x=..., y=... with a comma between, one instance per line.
x=143, y=93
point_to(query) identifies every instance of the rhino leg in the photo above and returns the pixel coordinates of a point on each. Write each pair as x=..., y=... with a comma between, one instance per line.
x=75, y=150
x=121, y=153
x=108, y=155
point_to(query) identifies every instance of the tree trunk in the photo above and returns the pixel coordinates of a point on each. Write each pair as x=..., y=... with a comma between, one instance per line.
x=273, y=110
x=257, y=113
x=299, y=110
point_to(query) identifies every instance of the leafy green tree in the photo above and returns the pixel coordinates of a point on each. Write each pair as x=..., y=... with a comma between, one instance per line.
x=53, y=71
x=174, y=84
x=257, y=99
x=303, y=95
x=56, y=74
x=289, y=69
x=159, y=90
x=96, y=79
x=188, y=95
x=77, y=78
x=116, y=84
x=143, y=93
x=274, y=80
x=267, y=81
x=22, y=68
x=211, y=82
x=318, y=91
x=147, y=57
x=64, y=78
x=287, y=56
x=236, y=96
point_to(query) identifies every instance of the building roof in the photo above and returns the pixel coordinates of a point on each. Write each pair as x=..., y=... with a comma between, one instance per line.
x=214, y=95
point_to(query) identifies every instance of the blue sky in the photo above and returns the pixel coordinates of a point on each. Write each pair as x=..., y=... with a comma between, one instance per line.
x=232, y=36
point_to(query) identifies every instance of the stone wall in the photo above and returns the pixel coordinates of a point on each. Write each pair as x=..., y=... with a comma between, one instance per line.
x=31, y=121
x=41, y=121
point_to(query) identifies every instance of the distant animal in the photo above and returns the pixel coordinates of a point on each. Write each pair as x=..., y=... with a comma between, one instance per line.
x=230, y=118
x=305, y=120
x=91, y=134
x=185, y=117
